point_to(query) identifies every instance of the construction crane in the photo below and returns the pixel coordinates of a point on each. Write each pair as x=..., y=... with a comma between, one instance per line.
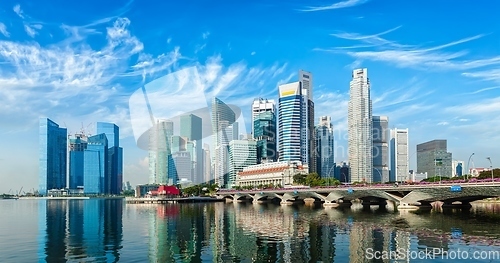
x=19, y=193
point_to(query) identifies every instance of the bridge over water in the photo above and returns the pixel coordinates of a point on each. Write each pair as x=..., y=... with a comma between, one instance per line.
x=404, y=196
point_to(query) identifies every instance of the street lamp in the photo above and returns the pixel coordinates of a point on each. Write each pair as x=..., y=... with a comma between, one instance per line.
x=468, y=171
x=379, y=173
x=491, y=168
x=328, y=174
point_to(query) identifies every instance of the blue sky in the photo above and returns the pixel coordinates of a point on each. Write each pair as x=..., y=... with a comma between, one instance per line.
x=433, y=66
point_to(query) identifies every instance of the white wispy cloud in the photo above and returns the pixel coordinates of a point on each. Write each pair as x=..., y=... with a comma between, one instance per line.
x=489, y=74
x=483, y=90
x=373, y=40
x=205, y=35
x=413, y=90
x=473, y=114
x=3, y=30
x=376, y=48
x=199, y=48
x=337, y=5
x=30, y=30
x=17, y=9
x=55, y=78
x=198, y=83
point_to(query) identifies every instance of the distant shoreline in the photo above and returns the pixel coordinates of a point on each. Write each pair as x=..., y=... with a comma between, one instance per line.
x=67, y=198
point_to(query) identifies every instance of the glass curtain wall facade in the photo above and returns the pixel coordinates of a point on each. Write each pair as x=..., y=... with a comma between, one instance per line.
x=52, y=156
x=325, y=147
x=290, y=124
x=77, y=148
x=191, y=127
x=380, y=152
x=95, y=172
x=264, y=128
x=114, y=184
x=222, y=117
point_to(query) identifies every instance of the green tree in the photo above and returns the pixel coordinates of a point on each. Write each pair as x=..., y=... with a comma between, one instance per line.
x=487, y=174
x=329, y=181
x=129, y=192
x=299, y=179
x=436, y=179
x=313, y=179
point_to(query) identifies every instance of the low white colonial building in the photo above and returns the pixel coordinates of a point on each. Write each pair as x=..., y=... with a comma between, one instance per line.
x=276, y=173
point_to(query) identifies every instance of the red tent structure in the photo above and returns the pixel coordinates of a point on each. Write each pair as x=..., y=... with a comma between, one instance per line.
x=168, y=190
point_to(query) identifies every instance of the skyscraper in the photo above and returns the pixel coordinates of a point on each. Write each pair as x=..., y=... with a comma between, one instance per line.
x=222, y=117
x=400, y=168
x=264, y=132
x=457, y=168
x=207, y=164
x=77, y=147
x=434, y=159
x=325, y=147
x=52, y=154
x=380, y=153
x=242, y=153
x=296, y=121
x=183, y=166
x=306, y=81
x=95, y=168
x=191, y=127
x=259, y=106
x=220, y=112
x=115, y=158
x=359, y=121
x=290, y=123
x=227, y=134
x=160, y=152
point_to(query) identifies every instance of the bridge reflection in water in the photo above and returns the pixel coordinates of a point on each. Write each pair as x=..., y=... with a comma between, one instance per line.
x=244, y=232
x=403, y=197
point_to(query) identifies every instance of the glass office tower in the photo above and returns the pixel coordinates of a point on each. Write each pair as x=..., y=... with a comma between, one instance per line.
x=52, y=156
x=95, y=174
x=114, y=182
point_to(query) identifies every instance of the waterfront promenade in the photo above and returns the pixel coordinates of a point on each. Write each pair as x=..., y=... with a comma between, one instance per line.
x=164, y=200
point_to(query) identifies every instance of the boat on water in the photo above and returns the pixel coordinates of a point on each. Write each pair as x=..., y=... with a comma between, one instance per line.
x=9, y=197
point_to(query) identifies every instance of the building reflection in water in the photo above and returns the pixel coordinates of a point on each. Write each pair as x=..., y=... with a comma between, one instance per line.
x=180, y=232
x=259, y=233
x=80, y=230
x=92, y=231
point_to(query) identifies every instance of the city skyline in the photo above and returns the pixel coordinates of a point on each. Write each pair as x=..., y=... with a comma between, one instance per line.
x=439, y=86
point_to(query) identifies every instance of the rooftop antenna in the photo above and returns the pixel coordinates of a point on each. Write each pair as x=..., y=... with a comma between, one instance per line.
x=88, y=133
x=69, y=132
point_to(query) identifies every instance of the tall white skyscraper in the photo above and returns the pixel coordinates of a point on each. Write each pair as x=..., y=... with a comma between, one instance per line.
x=296, y=121
x=359, y=121
x=227, y=134
x=160, y=150
x=380, y=132
x=259, y=106
x=207, y=164
x=222, y=117
x=400, y=168
x=325, y=147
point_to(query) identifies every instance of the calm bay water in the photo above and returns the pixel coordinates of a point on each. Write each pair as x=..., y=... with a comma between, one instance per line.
x=99, y=230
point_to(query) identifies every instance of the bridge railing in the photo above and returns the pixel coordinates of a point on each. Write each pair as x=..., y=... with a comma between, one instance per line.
x=472, y=181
